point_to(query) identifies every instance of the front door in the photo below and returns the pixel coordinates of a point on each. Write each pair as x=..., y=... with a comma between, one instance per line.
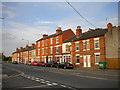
x=86, y=60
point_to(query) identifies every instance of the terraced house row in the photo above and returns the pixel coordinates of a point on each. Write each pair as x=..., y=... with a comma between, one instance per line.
x=84, y=50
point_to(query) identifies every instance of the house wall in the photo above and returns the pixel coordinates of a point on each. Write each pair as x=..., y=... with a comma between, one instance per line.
x=113, y=48
x=46, y=56
x=88, y=53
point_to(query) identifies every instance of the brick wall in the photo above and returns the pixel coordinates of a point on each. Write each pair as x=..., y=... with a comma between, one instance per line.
x=90, y=52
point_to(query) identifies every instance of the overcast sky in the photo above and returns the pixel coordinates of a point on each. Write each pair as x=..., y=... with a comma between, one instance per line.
x=25, y=22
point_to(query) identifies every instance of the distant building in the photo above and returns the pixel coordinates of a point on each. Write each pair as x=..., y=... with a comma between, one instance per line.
x=23, y=55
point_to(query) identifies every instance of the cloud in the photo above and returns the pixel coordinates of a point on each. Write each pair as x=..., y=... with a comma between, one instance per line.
x=9, y=14
x=8, y=11
x=45, y=22
x=15, y=32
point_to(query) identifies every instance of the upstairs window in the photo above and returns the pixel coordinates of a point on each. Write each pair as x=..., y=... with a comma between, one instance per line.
x=43, y=43
x=96, y=43
x=38, y=44
x=46, y=50
x=38, y=51
x=67, y=48
x=86, y=45
x=77, y=46
x=57, y=40
x=42, y=50
x=51, y=40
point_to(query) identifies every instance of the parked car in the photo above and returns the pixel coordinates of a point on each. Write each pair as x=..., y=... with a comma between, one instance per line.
x=14, y=62
x=40, y=64
x=65, y=65
x=34, y=63
x=51, y=64
x=28, y=63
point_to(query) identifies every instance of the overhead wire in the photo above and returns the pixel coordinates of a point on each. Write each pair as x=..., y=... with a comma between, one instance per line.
x=80, y=14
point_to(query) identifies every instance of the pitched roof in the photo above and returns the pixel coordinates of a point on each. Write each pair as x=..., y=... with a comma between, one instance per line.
x=24, y=49
x=87, y=35
x=52, y=35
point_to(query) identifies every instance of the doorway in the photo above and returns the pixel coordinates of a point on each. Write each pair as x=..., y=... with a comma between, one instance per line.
x=86, y=61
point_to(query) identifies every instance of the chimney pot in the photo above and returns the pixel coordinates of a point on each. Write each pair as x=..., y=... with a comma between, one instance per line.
x=17, y=49
x=21, y=48
x=33, y=45
x=58, y=30
x=78, y=31
x=45, y=35
x=27, y=46
x=109, y=26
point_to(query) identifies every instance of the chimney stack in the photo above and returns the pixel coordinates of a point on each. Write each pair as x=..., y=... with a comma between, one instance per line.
x=27, y=46
x=17, y=49
x=45, y=35
x=78, y=31
x=21, y=48
x=33, y=45
x=109, y=26
x=58, y=30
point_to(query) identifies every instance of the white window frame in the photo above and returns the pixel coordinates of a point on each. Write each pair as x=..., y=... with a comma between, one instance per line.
x=95, y=57
x=42, y=42
x=77, y=46
x=39, y=44
x=42, y=51
x=66, y=47
x=51, y=40
x=57, y=39
x=95, y=43
x=86, y=44
x=38, y=51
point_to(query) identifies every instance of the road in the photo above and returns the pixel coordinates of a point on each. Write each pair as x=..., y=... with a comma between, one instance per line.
x=20, y=77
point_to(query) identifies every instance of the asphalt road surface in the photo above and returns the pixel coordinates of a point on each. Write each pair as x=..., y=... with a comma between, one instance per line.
x=25, y=77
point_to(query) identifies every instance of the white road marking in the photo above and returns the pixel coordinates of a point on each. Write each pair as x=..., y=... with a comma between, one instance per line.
x=35, y=86
x=28, y=77
x=43, y=82
x=63, y=86
x=42, y=79
x=54, y=83
x=37, y=80
x=49, y=84
x=47, y=81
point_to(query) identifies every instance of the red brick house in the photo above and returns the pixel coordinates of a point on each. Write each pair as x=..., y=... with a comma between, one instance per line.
x=49, y=48
x=88, y=49
x=23, y=55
